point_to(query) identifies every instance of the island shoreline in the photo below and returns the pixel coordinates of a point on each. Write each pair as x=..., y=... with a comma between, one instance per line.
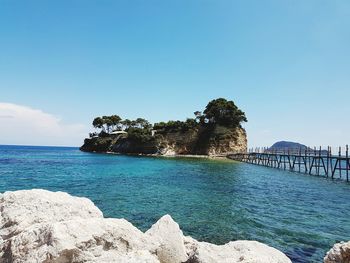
x=179, y=156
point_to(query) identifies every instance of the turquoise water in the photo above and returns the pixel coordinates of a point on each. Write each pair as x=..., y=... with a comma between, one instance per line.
x=215, y=201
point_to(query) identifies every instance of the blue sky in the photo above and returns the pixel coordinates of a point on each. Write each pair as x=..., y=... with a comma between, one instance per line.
x=286, y=63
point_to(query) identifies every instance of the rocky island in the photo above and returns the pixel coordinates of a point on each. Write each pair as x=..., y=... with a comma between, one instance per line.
x=217, y=131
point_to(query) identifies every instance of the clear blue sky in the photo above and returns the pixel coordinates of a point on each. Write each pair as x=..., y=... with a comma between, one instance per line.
x=286, y=63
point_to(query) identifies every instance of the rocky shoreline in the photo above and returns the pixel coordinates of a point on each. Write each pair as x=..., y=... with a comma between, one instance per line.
x=221, y=157
x=55, y=227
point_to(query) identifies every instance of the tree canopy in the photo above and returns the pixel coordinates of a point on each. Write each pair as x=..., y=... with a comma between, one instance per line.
x=107, y=123
x=224, y=112
x=111, y=123
x=218, y=112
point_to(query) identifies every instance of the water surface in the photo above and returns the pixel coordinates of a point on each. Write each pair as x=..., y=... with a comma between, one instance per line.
x=215, y=201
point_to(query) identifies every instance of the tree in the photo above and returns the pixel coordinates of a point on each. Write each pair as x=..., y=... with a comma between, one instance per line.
x=199, y=117
x=115, y=121
x=107, y=122
x=191, y=123
x=197, y=114
x=224, y=112
x=140, y=135
x=142, y=124
x=98, y=123
x=159, y=126
x=126, y=124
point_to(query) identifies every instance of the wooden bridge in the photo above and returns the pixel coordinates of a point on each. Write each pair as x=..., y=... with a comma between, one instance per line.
x=310, y=161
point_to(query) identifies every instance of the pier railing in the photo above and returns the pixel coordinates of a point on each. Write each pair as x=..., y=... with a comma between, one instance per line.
x=316, y=161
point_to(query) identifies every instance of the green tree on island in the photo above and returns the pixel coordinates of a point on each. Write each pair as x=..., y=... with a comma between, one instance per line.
x=223, y=112
x=98, y=123
x=142, y=124
x=115, y=122
x=126, y=124
x=107, y=123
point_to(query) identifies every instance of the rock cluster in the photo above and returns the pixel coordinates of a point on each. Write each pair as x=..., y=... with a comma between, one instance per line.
x=55, y=227
x=340, y=253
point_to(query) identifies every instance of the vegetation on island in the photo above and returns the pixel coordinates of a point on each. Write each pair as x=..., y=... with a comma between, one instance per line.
x=138, y=129
x=218, y=121
x=218, y=112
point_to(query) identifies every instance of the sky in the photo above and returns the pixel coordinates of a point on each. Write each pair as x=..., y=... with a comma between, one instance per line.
x=285, y=63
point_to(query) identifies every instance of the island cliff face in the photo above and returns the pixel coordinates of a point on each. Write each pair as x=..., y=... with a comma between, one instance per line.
x=217, y=141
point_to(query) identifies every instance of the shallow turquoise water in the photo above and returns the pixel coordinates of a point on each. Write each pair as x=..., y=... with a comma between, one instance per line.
x=215, y=201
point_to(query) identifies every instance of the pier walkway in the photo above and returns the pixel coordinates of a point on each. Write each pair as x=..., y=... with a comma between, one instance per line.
x=318, y=162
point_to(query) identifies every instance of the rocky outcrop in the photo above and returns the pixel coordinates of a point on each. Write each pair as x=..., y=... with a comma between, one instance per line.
x=98, y=144
x=167, y=233
x=234, y=142
x=216, y=141
x=339, y=253
x=54, y=227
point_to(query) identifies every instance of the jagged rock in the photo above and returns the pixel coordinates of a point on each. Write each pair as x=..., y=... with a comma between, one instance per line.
x=21, y=209
x=43, y=226
x=339, y=253
x=168, y=233
x=80, y=240
x=237, y=251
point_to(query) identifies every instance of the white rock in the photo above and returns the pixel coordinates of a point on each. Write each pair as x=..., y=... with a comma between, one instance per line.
x=24, y=208
x=42, y=226
x=169, y=235
x=80, y=240
x=339, y=253
x=237, y=251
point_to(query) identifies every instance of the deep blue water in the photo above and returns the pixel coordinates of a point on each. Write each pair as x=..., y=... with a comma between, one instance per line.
x=215, y=201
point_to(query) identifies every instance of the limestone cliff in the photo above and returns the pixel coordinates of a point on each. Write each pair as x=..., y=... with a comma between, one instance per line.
x=216, y=141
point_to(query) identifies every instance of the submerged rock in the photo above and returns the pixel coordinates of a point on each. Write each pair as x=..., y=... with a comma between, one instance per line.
x=339, y=253
x=55, y=227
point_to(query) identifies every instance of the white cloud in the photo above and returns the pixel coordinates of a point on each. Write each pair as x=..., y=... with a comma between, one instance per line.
x=24, y=125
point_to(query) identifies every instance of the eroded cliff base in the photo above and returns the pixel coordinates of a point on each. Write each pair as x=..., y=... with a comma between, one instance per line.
x=218, y=140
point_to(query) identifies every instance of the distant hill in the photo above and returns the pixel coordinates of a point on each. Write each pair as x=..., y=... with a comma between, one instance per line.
x=282, y=145
x=285, y=145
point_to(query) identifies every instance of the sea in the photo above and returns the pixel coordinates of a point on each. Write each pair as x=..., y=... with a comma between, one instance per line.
x=212, y=200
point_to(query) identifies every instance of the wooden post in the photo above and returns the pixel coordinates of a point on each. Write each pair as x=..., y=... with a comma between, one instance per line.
x=328, y=150
x=305, y=160
x=347, y=162
x=339, y=154
x=319, y=162
x=331, y=160
x=299, y=159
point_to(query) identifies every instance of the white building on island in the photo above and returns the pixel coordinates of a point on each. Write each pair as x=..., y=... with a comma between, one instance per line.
x=117, y=132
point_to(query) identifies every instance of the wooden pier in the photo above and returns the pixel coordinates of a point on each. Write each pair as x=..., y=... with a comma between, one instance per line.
x=317, y=161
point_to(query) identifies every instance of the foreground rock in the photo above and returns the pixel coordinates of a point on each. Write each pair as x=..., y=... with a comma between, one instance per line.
x=54, y=227
x=340, y=253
